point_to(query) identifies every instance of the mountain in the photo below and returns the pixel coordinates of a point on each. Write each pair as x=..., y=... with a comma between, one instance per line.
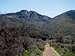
x=28, y=17
x=63, y=29
x=64, y=22
x=21, y=31
x=27, y=30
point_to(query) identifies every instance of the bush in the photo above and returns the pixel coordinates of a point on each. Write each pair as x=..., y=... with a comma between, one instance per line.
x=26, y=53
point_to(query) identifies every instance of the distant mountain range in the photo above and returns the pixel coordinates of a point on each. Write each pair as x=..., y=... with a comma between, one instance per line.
x=64, y=22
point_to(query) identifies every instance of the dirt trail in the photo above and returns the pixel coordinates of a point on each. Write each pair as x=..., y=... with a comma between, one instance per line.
x=49, y=51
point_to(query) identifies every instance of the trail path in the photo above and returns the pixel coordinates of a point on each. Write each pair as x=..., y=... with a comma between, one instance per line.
x=49, y=51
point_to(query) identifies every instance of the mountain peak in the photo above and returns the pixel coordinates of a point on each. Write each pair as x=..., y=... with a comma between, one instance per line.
x=71, y=11
x=23, y=12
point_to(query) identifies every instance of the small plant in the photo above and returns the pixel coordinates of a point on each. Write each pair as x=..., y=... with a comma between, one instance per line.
x=26, y=53
x=66, y=53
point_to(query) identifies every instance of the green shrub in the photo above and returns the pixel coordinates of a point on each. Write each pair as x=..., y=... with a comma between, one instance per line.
x=66, y=53
x=69, y=54
x=26, y=53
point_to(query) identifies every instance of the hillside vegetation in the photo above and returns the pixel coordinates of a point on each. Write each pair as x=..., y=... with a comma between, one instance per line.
x=25, y=33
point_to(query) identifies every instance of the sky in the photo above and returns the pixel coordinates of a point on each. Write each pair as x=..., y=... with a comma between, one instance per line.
x=50, y=8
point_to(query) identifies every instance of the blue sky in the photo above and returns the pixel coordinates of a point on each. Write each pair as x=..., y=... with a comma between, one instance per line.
x=50, y=8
